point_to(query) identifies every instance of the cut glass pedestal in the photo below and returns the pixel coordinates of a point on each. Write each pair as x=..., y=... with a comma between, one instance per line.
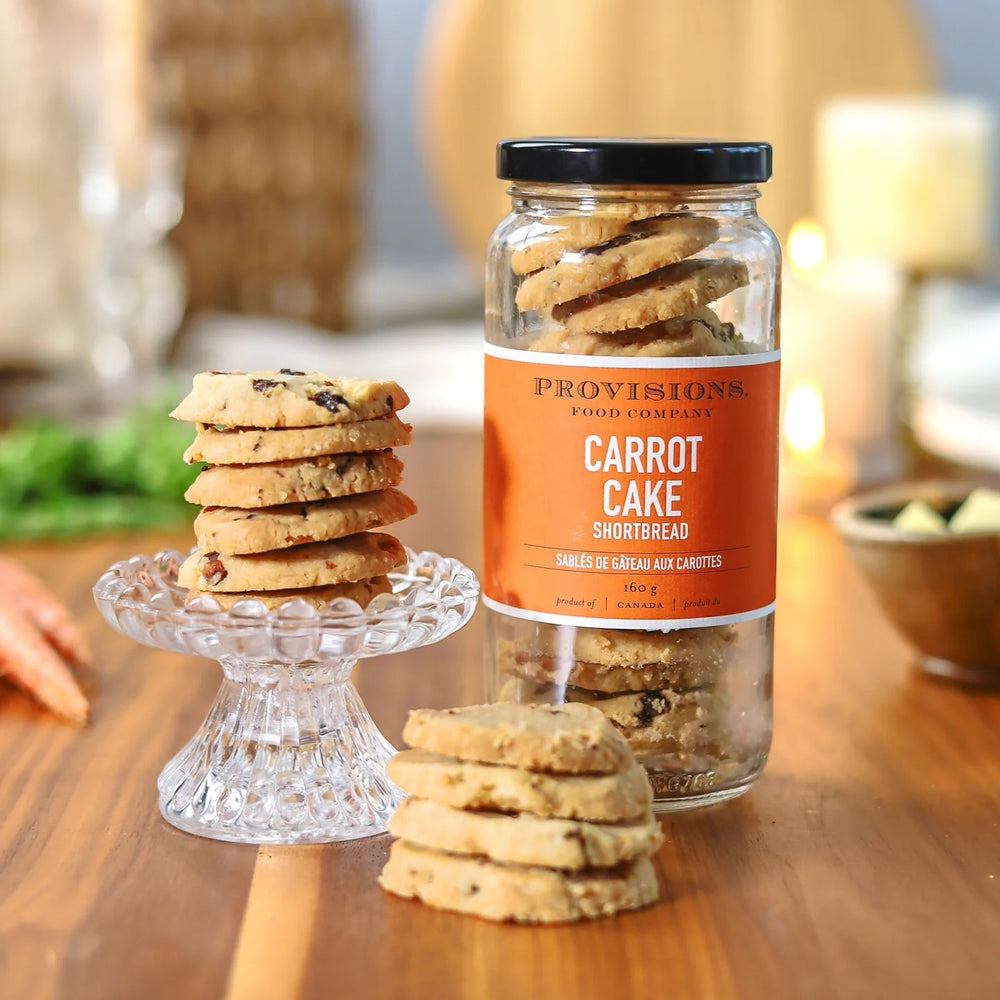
x=288, y=753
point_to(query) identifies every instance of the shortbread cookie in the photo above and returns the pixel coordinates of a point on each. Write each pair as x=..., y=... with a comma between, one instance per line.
x=237, y=532
x=665, y=720
x=249, y=446
x=664, y=709
x=523, y=839
x=661, y=242
x=626, y=647
x=672, y=291
x=676, y=737
x=571, y=739
x=343, y=560
x=600, y=677
x=286, y=398
x=699, y=334
x=562, y=671
x=465, y=785
x=692, y=656
x=625, y=709
x=545, y=241
x=361, y=592
x=294, y=481
x=509, y=892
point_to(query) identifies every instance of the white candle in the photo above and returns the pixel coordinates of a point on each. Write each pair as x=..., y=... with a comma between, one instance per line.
x=836, y=331
x=910, y=179
x=813, y=473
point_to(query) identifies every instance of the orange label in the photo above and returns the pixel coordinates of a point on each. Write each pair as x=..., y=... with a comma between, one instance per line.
x=630, y=490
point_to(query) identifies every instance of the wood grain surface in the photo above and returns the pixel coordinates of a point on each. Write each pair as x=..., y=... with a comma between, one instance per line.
x=730, y=69
x=865, y=863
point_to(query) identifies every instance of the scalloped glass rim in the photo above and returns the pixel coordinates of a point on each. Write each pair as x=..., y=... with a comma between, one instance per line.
x=432, y=597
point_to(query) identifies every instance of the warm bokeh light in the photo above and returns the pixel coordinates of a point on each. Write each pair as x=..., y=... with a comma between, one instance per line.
x=804, y=424
x=806, y=245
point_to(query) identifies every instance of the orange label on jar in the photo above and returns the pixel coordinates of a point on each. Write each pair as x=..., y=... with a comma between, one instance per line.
x=630, y=490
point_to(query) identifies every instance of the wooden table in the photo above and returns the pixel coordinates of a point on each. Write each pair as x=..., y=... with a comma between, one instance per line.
x=865, y=863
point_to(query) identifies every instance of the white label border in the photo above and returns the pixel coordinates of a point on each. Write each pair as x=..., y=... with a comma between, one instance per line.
x=646, y=624
x=601, y=361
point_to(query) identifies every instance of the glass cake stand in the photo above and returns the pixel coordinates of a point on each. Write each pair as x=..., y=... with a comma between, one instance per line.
x=288, y=753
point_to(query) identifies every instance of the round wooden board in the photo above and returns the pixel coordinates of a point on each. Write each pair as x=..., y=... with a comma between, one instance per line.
x=745, y=69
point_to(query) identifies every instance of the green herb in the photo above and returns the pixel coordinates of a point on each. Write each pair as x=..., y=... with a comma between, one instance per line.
x=57, y=481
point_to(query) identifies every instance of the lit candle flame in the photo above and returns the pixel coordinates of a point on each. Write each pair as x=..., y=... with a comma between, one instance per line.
x=805, y=424
x=806, y=246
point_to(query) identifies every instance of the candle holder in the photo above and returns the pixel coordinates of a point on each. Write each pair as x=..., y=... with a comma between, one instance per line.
x=136, y=283
x=917, y=460
x=288, y=753
x=906, y=329
x=908, y=179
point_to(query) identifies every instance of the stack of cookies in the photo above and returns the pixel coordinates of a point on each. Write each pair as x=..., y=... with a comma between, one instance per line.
x=530, y=813
x=626, y=282
x=630, y=280
x=299, y=468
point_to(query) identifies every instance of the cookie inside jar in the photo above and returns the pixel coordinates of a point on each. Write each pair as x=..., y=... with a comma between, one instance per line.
x=679, y=698
x=637, y=279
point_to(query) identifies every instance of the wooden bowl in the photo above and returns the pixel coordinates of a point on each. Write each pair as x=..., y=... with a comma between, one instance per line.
x=941, y=592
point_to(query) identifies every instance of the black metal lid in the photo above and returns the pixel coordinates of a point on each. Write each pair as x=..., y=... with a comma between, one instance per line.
x=633, y=161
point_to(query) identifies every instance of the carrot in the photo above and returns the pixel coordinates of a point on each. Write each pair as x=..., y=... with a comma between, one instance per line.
x=29, y=594
x=28, y=660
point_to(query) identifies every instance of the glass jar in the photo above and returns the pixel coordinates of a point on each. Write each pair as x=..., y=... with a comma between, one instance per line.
x=631, y=449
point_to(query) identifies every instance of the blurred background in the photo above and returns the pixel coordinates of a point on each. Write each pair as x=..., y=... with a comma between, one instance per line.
x=193, y=184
